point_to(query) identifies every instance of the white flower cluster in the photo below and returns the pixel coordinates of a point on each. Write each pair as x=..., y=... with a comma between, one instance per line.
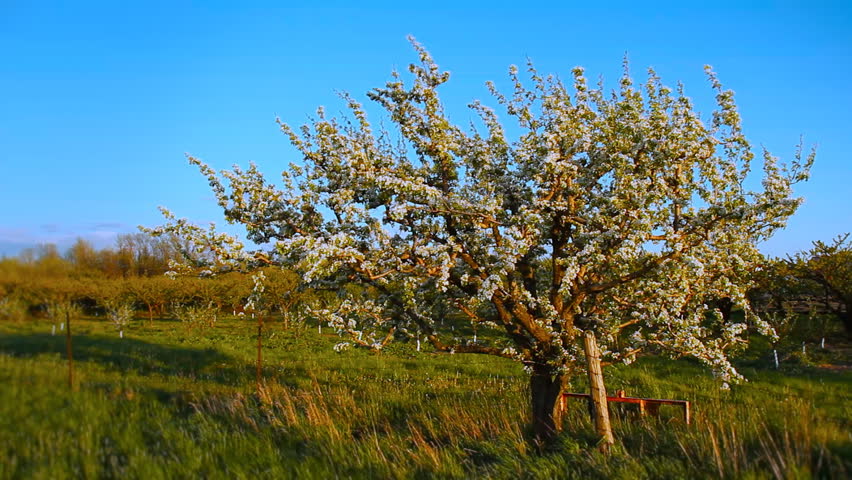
x=254, y=302
x=625, y=214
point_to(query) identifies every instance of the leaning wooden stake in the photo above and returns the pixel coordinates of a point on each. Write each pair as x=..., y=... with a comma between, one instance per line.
x=259, y=354
x=69, y=350
x=598, y=391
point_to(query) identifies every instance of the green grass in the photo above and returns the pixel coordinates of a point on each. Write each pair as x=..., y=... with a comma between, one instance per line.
x=165, y=402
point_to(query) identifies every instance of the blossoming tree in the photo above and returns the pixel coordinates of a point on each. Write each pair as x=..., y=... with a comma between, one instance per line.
x=622, y=213
x=829, y=267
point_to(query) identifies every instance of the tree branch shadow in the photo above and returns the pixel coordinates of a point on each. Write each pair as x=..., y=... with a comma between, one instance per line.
x=132, y=355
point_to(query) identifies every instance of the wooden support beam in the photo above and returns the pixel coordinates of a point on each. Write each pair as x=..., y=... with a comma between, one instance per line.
x=598, y=390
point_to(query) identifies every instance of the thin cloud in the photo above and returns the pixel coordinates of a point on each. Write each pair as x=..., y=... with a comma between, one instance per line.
x=14, y=235
x=99, y=234
x=111, y=226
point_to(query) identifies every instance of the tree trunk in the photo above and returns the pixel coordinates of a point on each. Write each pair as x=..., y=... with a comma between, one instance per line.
x=846, y=318
x=546, y=390
x=726, y=307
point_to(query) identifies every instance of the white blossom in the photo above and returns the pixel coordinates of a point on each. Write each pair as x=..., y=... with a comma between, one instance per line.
x=624, y=214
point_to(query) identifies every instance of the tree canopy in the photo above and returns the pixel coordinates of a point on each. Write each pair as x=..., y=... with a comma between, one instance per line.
x=829, y=267
x=621, y=212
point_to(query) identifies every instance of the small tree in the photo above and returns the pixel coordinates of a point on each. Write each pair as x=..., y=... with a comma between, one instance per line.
x=195, y=315
x=12, y=303
x=617, y=213
x=234, y=288
x=284, y=293
x=60, y=295
x=197, y=301
x=116, y=298
x=257, y=304
x=829, y=267
x=153, y=292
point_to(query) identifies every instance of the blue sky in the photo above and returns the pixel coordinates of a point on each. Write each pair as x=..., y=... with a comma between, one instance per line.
x=100, y=101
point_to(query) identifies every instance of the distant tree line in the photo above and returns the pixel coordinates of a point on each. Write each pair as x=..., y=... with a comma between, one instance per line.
x=816, y=283
x=119, y=283
x=134, y=255
x=130, y=279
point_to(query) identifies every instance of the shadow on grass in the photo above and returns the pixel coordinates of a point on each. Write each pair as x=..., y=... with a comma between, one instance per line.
x=132, y=355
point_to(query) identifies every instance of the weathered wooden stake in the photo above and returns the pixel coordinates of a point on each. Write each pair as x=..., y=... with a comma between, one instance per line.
x=259, y=373
x=68, y=350
x=598, y=391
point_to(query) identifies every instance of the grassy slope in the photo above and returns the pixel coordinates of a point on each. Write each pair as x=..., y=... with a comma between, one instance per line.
x=167, y=403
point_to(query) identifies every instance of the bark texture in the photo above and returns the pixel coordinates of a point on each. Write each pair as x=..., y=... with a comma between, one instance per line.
x=546, y=389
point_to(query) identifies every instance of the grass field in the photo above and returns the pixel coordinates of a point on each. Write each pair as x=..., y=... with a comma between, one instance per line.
x=165, y=402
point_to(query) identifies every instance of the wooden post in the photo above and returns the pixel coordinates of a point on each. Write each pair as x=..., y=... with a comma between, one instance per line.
x=259, y=372
x=598, y=391
x=69, y=351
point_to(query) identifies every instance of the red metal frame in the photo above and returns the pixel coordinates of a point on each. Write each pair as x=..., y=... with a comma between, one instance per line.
x=646, y=405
